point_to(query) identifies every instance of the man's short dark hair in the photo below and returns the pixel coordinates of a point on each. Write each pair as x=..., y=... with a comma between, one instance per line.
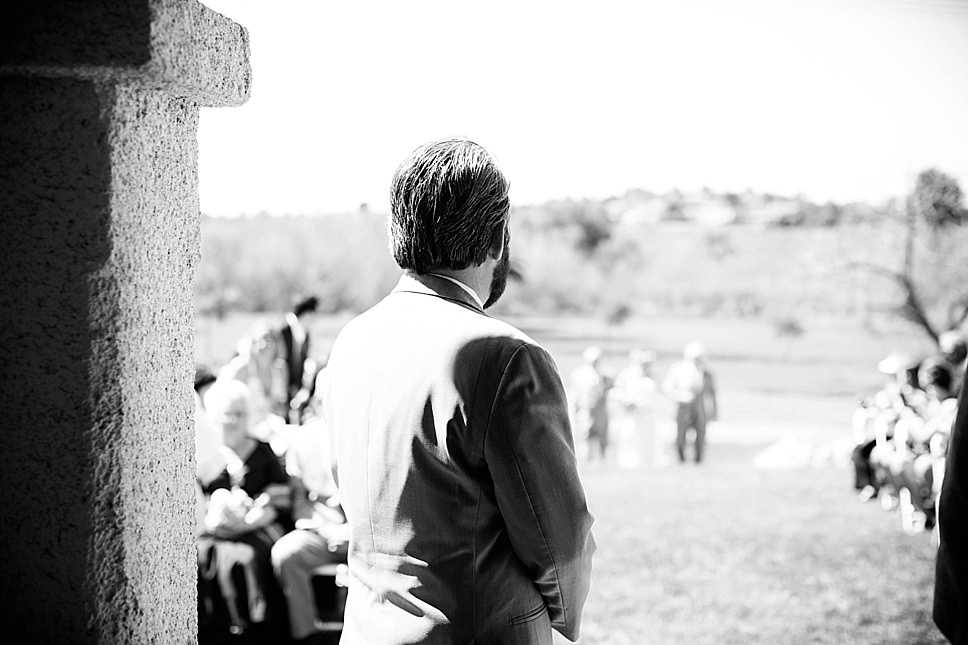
x=305, y=305
x=446, y=201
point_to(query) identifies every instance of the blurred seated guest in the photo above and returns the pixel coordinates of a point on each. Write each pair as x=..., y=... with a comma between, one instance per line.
x=954, y=354
x=897, y=405
x=249, y=504
x=256, y=364
x=209, y=461
x=901, y=383
x=589, y=389
x=306, y=404
x=937, y=379
x=294, y=354
x=951, y=570
x=911, y=474
x=321, y=533
x=862, y=422
x=929, y=438
x=634, y=394
x=691, y=385
x=911, y=454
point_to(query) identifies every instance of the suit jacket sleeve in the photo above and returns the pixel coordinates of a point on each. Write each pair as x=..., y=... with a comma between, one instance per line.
x=951, y=571
x=530, y=452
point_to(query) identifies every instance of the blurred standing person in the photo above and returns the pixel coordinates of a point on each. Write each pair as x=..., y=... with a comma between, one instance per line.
x=634, y=393
x=454, y=454
x=256, y=365
x=590, y=387
x=690, y=384
x=295, y=353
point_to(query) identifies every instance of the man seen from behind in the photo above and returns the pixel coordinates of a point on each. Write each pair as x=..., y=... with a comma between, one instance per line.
x=454, y=453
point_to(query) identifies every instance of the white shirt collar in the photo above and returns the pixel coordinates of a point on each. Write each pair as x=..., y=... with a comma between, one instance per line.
x=463, y=286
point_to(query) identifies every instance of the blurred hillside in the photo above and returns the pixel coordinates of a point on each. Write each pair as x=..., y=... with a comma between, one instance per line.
x=642, y=254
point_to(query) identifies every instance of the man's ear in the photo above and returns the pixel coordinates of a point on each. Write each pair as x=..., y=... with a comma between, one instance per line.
x=496, y=249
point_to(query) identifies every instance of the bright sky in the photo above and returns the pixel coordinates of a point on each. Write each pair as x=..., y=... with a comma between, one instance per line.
x=837, y=99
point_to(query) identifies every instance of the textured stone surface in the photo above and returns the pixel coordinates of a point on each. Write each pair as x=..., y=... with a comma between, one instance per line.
x=98, y=264
x=99, y=240
x=75, y=33
x=142, y=337
x=199, y=53
x=179, y=46
x=55, y=176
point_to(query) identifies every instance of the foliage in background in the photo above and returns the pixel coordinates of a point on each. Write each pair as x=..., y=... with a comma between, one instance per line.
x=925, y=255
x=699, y=254
x=265, y=263
x=262, y=263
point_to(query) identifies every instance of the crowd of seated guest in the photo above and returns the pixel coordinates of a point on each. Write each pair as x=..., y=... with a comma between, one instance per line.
x=269, y=514
x=901, y=432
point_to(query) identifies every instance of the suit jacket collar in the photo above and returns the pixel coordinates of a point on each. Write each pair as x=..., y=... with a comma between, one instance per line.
x=432, y=285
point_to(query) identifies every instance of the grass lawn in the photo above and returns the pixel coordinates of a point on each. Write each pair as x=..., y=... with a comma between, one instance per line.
x=724, y=552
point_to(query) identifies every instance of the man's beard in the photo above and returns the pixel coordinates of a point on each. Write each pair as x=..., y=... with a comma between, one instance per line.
x=499, y=279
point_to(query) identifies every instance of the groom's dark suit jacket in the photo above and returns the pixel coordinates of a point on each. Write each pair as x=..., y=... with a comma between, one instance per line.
x=951, y=571
x=457, y=473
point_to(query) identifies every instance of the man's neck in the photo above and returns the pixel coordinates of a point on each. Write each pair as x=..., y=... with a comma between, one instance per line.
x=472, y=277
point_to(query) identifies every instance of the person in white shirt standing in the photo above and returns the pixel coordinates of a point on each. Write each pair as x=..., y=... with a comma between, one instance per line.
x=690, y=384
x=590, y=390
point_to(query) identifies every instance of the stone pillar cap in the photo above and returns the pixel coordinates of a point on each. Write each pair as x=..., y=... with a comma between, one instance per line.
x=179, y=46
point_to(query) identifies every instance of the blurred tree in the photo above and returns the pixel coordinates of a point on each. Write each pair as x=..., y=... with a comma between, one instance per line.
x=264, y=263
x=937, y=199
x=828, y=214
x=675, y=206
x=932, y=277
x=591, y=223
x=719, y=246
x=789, y=328
x=582, y=257
x=585, y=221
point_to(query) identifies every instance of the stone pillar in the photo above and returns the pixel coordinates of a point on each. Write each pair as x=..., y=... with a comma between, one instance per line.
x=99, y=241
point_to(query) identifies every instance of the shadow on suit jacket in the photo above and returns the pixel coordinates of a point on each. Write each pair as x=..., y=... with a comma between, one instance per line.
x=458, y=475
